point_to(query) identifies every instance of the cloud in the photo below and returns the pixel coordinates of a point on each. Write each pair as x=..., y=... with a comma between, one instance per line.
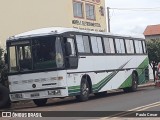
x=132, y=22
x=129, y=26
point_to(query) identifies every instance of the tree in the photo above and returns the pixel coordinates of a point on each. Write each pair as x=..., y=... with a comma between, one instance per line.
x=153, y=47
x=1, y=61
x=3, y=69
x=4, y=91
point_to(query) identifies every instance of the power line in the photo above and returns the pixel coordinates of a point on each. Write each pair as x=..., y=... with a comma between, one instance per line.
x=155, y=9
x=137, y=9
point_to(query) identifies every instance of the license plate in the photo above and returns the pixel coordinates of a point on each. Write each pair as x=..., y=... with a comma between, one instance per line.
x=54, y=92
x=35, y=95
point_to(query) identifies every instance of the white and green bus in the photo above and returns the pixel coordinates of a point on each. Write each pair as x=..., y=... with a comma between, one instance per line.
x=60, y=62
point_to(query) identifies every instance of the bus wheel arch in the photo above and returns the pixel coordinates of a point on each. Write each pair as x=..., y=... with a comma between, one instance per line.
x=134, y=80
x=85, y=88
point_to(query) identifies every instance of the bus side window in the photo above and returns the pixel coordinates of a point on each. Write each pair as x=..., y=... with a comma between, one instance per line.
x=144, y=47
x=129, y=46
x=71, y=41
x=120, y=46
x=83, y=44
x=138, y=46
x=109, y=45
x=96, y=44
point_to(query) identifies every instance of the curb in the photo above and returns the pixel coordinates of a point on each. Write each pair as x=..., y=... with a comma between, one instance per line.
x=147, y=85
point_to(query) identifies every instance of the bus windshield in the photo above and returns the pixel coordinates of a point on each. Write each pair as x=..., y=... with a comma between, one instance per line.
x=36, y=54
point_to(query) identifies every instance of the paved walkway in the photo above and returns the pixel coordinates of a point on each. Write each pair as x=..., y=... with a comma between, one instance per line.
x=149, y=83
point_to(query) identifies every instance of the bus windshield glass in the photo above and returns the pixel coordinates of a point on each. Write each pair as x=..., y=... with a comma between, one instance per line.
x=36, y=54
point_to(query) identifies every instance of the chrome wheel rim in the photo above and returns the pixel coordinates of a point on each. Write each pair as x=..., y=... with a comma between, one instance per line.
x=85, y=89
x=135, y=81
x=135, y=84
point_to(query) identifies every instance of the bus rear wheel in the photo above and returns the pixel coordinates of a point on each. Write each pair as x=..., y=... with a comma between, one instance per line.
x=84, y=91
x=134, y=86
x=134, y=82
x=40, y=102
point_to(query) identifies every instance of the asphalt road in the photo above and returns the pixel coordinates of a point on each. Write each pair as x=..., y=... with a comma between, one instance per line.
x=145, y=99
x=113, y=101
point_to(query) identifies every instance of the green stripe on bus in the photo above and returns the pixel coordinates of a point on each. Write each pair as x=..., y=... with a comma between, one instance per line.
x=128, y=81
x=107, y=79
x=74, y=89
x=96, y=87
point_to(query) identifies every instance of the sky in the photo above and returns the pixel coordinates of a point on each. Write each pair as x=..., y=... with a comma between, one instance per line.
x=129, y=22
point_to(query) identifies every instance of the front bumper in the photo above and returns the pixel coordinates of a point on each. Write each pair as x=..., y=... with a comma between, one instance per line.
x=38, y=94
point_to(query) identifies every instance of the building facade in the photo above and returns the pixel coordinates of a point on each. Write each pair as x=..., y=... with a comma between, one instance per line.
x=19, y=16
x=152, y=32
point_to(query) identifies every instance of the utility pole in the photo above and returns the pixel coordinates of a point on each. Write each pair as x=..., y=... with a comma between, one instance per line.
x=108, y=19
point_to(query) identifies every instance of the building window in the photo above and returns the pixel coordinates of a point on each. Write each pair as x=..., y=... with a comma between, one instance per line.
x=97, y=44
x=78, y=9
x=120, y=45
x=83, y=44
x=109, y=45
x=130, y=46
x=90, y=12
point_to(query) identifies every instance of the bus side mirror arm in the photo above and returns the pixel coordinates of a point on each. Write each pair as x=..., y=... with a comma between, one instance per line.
x=68, y=49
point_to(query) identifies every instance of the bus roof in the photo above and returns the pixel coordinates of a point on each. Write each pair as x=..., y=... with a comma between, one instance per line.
x=60, y=30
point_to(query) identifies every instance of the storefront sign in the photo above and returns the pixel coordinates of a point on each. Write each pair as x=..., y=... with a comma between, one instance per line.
x=84, y=23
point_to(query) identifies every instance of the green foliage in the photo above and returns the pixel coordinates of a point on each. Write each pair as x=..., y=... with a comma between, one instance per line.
x=1, y=61
x=153, y=47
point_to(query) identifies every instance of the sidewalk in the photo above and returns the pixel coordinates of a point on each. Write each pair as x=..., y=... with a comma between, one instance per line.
x=149, y=83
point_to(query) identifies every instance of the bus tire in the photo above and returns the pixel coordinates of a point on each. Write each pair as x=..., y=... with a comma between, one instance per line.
x=4, y=97
x=84, y=91
x=134, y=86
x=40, y=102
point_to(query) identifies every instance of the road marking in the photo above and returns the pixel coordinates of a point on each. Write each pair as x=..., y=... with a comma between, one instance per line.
x=137, y=111
x=144, y=106
x=141, y=108
x=150, y=107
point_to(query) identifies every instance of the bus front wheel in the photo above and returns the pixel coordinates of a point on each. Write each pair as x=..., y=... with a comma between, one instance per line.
x=40, y=102
x=84, y=91
x=4, y=97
